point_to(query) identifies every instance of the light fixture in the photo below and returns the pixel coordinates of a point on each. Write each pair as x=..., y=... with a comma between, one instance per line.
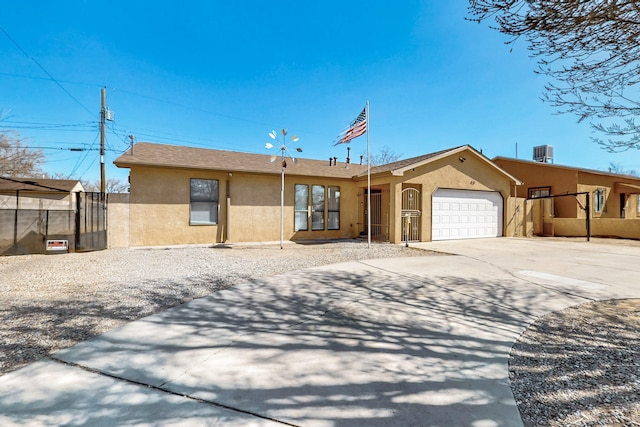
x=462, y=159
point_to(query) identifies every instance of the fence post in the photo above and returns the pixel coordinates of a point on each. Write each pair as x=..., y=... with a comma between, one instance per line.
x=77, y=222
x=588, y=209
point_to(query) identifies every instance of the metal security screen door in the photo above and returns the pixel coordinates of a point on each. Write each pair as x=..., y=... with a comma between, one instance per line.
x=411, y=214
x=379, y=213
x=376, y=215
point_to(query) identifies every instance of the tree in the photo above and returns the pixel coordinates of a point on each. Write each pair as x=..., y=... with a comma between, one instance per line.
x=620, y=170
x=113, y=185
x=383, y=156
x=17, y=159
x=589, y=48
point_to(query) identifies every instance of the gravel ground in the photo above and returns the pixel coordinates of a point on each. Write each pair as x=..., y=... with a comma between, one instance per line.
x=579, y=366
x=50, y=302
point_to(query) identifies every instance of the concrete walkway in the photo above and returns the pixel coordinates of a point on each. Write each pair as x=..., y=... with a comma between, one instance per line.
x=409, y=341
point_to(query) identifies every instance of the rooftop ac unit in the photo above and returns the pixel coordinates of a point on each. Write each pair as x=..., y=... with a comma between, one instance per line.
x=543, y=153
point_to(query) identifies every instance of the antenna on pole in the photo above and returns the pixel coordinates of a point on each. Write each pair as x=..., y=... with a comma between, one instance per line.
x=131, y=137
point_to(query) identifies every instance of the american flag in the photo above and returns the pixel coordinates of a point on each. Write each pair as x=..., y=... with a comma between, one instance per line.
x=357, y=128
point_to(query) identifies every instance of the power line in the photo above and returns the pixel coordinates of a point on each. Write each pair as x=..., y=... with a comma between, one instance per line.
x=226, y=116
x=22, y=76
x=89, y=167
x=45, y=71
x=72, y=149
x=13, y=124
x=80, y=161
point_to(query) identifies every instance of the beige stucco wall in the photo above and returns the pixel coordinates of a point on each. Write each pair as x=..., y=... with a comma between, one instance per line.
x=249, y=208
x=118, y=220
x=446, y=173
x=603, y=227
x=159, y=210
x=535, y=175
x=591, y=182
x=632, y=208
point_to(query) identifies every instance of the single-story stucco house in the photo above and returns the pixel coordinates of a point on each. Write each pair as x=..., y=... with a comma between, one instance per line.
x=614, y=200
x=185, y=195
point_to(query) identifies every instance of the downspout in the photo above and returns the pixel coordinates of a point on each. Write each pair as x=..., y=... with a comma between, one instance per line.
x=515, y=208
x=228, y=207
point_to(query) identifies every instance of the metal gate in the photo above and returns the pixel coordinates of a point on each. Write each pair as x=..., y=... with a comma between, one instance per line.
x=91, y=224
x=379, y=215
x=376, y=216
x=411, y=214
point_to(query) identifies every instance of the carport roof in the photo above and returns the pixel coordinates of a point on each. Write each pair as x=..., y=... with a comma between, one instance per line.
x=40, y=185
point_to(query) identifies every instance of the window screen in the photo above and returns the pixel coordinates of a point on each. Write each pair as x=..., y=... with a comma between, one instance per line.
x=204, y=202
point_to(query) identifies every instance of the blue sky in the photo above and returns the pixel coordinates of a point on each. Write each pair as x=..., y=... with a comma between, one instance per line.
x=223, y=74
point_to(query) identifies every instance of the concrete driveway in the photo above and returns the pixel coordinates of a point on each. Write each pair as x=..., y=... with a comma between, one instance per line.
x=407, y=341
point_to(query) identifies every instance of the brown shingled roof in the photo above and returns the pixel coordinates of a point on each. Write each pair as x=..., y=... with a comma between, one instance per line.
x=161, y=155
x=173, y=156
x=401, y=164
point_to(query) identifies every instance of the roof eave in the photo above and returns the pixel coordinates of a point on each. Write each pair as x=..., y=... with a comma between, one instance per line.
x=401, y=171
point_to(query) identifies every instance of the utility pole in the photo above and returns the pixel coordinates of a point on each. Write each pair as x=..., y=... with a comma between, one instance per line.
x=103, y=113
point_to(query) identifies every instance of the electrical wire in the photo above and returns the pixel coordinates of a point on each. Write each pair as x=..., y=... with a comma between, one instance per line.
x=91, y=164
x=80, y=161
x=53, y=79
x=176, y=104
x=11, y=124
x=47, y=79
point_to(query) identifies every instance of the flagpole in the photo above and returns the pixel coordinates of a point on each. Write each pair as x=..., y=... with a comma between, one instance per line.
x=368, y=181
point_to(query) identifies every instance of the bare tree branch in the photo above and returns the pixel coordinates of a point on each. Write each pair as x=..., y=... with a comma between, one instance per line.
x=383, y=156
x=590, y=49
x=17, y=159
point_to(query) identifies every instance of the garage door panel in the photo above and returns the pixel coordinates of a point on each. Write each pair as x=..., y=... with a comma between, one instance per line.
x=464, y=214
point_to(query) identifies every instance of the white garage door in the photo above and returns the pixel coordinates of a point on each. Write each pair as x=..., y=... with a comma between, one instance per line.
x=465, y=214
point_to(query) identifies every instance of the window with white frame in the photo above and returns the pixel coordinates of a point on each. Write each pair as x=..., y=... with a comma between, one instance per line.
x=333, y=212
x=598, y=200
x=203, y=209
x=317, y=205
x=638, y=204
x=301, y=221
x=537, y=192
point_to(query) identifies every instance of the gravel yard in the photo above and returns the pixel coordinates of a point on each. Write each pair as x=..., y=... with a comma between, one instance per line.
x=579, y=366
x=50, y=302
